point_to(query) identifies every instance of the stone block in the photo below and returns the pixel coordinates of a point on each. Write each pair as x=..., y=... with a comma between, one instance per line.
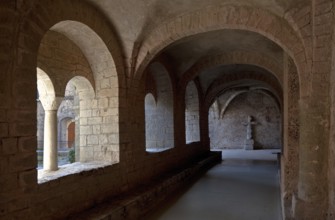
x=86, y=154
x=85, y=130
x=4, y=165
x=28, y=179
x=109, y=129
x=105, y=83
x=22, y=116
x=22, y=129
x=103, y=103
x=8, y=182
x=113, y=102
x=85, y=113
x=113, y=139
x=23, y=161
x=9, y=145
x=323, y=29
x=323, y=8
x=103, y=139
x=96, y=129
x=94, y=120
x=83, y=142
x=3, y=130
x=3, y=115
x=96, y=112
x=110, y=119
x=92, y=139
x=83, y=121
x=323, y=18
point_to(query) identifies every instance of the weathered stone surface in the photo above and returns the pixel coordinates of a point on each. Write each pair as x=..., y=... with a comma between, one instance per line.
x=108, y=53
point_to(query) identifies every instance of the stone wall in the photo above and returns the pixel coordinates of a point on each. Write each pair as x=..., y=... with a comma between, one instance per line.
x=61, y=59
x=159, y=113
x=118, y=112
x=192, y=126
x=228, y=131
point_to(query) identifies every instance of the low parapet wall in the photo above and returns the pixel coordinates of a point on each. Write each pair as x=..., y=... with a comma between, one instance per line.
x=139, y=202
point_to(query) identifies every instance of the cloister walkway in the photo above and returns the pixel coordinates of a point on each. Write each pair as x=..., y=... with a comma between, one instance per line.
x=245, y=186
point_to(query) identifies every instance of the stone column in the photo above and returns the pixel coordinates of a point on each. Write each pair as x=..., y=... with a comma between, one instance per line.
x=313, y=195
x=50, y=141
x=313, y=155
x=50, y=152
x=290, y=154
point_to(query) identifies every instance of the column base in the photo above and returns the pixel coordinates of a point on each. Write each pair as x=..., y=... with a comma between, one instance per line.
x=249, y=144
x=309, y=211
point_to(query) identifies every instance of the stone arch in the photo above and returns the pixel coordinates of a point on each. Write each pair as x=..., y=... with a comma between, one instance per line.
x=150, y=86
x=236, y=94
x=239, y=57
x=63, y=59
x=83, y=87
x=150, y=98
x=245, y=77
x=84, y=99
x=79, y=28
x=43, y=17
x=45, y=86
x=225, y=17
x=63, y=131
x=149, y=107
x=46, y=101
x=92, y=47
x=229, y=100
x=71, y=133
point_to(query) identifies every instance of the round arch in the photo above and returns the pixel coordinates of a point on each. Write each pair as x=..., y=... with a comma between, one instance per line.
x=109, y=65
x=45, y=86
x=43, y=17
x=83, y=86
x=238, y=93
x=240, y=57
x=243, y=78
x=225, y=17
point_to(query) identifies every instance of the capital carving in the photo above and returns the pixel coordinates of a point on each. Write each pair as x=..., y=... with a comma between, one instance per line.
x=51, y=102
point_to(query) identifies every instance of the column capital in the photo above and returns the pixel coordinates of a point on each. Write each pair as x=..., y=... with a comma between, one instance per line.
x=51, y=102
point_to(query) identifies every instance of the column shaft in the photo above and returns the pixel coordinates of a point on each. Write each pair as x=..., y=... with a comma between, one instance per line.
x=50, y=161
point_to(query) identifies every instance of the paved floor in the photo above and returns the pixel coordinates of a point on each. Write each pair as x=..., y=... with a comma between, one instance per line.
x=244, y=186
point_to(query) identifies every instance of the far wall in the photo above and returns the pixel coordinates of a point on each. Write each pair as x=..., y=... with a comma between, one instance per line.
x=229, y=131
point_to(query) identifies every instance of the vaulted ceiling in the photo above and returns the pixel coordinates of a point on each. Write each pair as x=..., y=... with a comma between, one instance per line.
x=134, y=20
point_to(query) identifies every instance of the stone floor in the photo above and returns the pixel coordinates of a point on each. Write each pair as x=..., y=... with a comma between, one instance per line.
x=245, y=186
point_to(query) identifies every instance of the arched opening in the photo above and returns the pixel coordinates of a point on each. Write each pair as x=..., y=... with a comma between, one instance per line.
x=150, y=116
x=71, y=134
x=159, y=112
x=223, y=60
x=66, y=114
x=64, y=146
x=47, y=102
x=82, y=99
x=86, y=93
x=192, y=113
